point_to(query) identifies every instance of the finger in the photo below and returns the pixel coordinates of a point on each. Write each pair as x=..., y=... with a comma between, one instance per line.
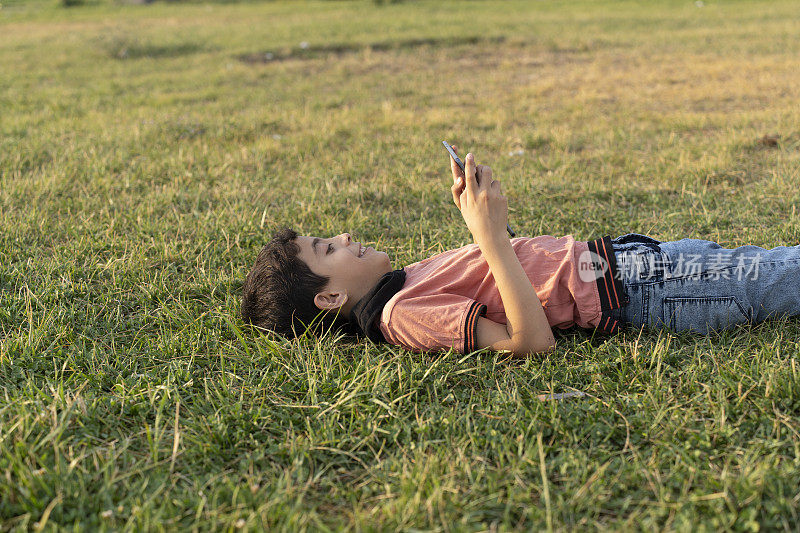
x=469, y=166
x=456, y=190
x=483, y=176
x=458, y=174
x=456, y=170
x=497, y=187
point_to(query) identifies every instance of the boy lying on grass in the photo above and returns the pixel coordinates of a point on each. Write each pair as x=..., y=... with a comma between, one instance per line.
x=506, y=295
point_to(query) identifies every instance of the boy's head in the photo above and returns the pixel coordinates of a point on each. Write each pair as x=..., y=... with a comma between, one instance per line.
x=296, y=277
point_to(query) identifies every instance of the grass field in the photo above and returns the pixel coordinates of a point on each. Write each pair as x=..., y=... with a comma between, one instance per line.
x=148, y=152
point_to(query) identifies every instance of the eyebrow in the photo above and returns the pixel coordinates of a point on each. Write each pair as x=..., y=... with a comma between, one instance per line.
x=314, y=245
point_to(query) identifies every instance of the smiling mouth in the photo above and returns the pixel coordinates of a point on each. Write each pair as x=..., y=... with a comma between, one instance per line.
x=361, y=250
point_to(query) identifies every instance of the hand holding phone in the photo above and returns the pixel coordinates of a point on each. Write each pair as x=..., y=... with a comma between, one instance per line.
x=463, y=169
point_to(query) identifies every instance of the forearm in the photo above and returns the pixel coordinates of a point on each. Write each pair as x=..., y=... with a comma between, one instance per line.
x=527, y=325
x=485, y=210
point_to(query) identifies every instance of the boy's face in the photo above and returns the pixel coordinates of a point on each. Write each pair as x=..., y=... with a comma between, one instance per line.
x=353, y=269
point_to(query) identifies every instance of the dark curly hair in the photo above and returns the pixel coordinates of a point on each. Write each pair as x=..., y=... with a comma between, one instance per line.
x=278, y=293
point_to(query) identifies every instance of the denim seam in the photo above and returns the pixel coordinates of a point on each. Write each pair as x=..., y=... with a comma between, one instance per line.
x=704, y=299
x=671, y=320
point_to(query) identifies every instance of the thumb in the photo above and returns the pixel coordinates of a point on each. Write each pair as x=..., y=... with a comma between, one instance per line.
x=469, y=167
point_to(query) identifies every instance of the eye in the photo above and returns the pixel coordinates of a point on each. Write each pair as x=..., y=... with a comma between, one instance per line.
x=330, y=248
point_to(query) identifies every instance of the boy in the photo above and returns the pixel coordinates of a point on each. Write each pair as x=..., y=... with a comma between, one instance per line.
x=506, y=295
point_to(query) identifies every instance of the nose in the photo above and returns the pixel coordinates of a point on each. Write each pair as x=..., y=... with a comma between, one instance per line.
x=346, y=238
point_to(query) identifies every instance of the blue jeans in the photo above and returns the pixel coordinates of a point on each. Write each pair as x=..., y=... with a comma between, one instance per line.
x=696, y=285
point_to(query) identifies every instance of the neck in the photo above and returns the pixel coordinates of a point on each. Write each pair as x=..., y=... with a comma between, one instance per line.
x=345, y=309
x=365, y=311
x=353, y=297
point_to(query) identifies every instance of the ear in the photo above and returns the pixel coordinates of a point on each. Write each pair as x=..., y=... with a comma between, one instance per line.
x=328, y=301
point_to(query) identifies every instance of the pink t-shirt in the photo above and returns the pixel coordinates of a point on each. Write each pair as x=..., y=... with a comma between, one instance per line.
x=442, y=297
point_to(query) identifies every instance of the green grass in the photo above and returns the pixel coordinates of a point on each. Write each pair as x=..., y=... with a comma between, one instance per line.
x=147, y=152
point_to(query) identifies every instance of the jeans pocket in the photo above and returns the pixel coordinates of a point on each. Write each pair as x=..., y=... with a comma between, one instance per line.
x=703, y=314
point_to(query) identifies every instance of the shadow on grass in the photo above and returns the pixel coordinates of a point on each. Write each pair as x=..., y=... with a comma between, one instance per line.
x=305, y=51
x=123, y=47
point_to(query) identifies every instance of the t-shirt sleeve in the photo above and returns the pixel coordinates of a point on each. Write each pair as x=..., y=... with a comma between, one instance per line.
x=433, y=322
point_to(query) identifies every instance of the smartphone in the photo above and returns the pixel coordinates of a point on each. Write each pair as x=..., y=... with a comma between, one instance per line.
x=461, y=166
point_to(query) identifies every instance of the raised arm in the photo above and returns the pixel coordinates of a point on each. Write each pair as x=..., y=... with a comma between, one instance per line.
x=485, y=211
